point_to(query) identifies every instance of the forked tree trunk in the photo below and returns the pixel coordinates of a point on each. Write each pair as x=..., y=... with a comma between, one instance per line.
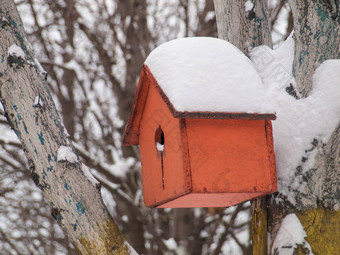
x=247, y=27
x=70, y=190
x=317, y=38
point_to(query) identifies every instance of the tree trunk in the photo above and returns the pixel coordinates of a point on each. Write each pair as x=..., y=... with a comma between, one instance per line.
x=244, y=27
x=68, y=187
x=317, y=38
x=247, y=27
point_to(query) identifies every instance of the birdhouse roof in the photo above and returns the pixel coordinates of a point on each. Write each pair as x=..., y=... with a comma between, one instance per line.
x=201, y=78
x=208, y=75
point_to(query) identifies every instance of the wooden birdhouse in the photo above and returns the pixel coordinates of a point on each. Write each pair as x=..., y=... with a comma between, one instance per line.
x=203, y=124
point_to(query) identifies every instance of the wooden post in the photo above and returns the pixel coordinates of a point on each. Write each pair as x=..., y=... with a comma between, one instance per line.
x=259, y=225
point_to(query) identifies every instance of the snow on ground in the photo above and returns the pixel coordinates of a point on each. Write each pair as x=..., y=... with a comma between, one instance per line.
x=300, y=123
x=289, y=235
x=208, y=74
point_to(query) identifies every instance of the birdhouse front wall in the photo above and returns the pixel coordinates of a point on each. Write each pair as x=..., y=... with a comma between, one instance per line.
x=230, y=155
x=231, y=161
x=164, y=165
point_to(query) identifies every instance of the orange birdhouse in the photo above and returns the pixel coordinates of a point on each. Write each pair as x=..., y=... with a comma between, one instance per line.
x=203, y=124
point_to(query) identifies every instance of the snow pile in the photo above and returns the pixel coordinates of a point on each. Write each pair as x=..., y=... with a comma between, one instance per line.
x=88, y=175
x=160, y=147
x=171, y=244
x=15, y=51
x=301, y=124
x=131, y=250
x=290, y=234
x=208, y=74
x=38, y=102
x=40, y=68
x=66, y=154
x=248, y=6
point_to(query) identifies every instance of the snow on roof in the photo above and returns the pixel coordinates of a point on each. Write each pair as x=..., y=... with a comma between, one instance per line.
x=208, y=74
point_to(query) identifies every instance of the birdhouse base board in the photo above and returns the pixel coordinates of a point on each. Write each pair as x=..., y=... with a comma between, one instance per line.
x=209, y=200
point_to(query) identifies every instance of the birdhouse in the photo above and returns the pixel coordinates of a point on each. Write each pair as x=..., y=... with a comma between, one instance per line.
x=203, y=123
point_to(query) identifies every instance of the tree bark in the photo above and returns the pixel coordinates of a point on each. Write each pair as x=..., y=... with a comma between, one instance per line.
x=317, y=38
x=70, y=190
x=247, y=28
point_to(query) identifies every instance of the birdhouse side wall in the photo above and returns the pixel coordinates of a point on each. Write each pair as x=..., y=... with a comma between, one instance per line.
x=164, y=165
x=271, y=154
x=228, y=155
x=131, y=134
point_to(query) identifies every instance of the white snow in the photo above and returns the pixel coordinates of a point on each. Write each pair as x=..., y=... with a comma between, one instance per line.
x=65, y=153
x=38, y=101
x=160, y=147
x=121, y=167
x=301, y=121
x=125, y=218
x=210, y=16
x=88, y=175
x=131, y=250
x=40, y=68
x=171, y=244
x=15, y=51
x=290, y=234
x=248, y=6
x=208, y=74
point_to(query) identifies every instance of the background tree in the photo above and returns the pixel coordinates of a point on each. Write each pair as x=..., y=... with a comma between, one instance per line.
x=66, y=184
x=92, y=52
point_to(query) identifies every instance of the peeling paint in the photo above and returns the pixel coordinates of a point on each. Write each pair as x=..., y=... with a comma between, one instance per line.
x=56, y=214
x=52, y=158
x=67, y=186
x=80, y=208
x=16, y=110
x=25, y=127
x=68, y=202
x=41, y=138
x=75, y=225
x=44, y=174
x=322, y=14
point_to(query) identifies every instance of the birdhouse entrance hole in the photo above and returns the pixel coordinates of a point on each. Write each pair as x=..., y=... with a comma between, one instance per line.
x=159, y=139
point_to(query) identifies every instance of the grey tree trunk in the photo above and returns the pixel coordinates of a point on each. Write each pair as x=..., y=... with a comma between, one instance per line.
x=68, y=187
x=241, y=25
x=317, y=38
